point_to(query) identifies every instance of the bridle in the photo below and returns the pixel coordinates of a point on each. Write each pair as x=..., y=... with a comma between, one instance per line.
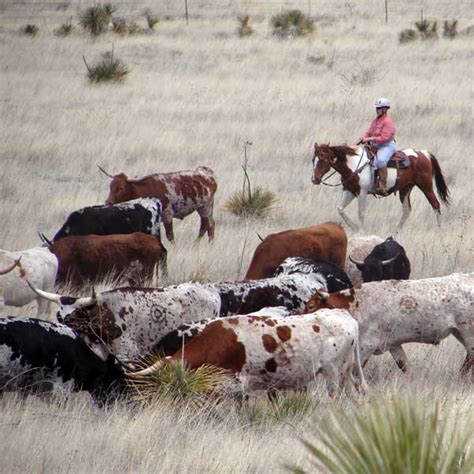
x=353, y=173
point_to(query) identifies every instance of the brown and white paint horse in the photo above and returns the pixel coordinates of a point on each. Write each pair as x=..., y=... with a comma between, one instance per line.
x=357, y=177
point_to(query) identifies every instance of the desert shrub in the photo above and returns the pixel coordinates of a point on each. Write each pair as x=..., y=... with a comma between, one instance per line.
x=292, y=23
x=427, y=29
x=245, y=28
x=96, y=19
x=173, y=381
x=119, y=25
x=392, y=436
x=450, y=29
x=151, y=19
x=407, y=35
x=293, y=405
x=255, y=203
x=108, y=69
x=30, y=30
x=65, y=29
x=133, y=27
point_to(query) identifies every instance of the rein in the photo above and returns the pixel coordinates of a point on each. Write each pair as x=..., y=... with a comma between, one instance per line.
x=343, y=182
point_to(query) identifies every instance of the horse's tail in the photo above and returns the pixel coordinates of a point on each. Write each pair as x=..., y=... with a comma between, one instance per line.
x=441, y=186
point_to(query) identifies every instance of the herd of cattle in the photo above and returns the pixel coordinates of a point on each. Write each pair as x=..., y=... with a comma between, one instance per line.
x=312, y=301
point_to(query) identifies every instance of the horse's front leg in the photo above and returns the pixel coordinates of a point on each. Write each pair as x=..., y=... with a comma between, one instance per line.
x=362, y=204
x=347, y=198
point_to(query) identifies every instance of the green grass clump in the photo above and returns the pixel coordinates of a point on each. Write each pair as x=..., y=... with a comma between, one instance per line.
x=65, y=29
x=108, y=69
x=450, y=29
x=292, y=23
x=250, y=204
x=173, y=381
x=96, y=19
x=391, y=437
x=407, y=35
x=245, y=28
x=30, y=30
x=427, y=29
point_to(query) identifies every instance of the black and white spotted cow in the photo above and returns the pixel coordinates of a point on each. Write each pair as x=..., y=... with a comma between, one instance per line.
x=138, y=215
x=38, y=356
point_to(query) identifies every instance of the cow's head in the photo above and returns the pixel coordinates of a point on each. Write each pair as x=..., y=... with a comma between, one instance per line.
x=341, y=299
x=372, y=268
x=323, y=159
x=120, y=190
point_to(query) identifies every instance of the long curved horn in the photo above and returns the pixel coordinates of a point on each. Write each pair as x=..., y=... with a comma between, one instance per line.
x=356, y=262
x=390, y=260
x=54, y=297
x=148, y=371
x=103, y=171
x=46, y=240
x=9, y=269
x=322, y=294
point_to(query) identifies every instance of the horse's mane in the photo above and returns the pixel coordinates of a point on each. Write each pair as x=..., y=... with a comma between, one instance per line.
x=342, y=150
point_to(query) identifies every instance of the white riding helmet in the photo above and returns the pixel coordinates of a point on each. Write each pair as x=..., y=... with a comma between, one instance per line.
x=382, y=102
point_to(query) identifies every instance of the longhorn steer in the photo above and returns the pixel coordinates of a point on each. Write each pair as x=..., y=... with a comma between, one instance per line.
x=387, y=261
x=36, y=354
x=180, y=194
x=139, y=215
x=391, y=313
x=85, y=258
x=277, y=353
x=39, y=266
x=320, y=242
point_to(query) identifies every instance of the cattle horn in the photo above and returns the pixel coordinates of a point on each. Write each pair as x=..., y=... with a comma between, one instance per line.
x=55, y=298
x=103, y=171
x=356, y=262
x=144, y=372
x=390, y=260
x=259, y=236
x=44, y=239
x=9, y=269
x=322, y=294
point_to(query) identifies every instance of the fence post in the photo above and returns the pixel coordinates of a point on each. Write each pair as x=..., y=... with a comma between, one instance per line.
x=186, y=11
x=386, y=11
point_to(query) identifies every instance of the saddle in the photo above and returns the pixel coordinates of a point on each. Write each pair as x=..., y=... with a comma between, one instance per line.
x=398, y=160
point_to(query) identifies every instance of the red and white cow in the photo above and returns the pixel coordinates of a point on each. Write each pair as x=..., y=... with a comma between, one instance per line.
x=180, y=193
x=264, y=352
x=39, y=266
x=394, y=312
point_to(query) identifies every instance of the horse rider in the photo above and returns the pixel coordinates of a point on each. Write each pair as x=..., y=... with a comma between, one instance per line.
x=381, y=134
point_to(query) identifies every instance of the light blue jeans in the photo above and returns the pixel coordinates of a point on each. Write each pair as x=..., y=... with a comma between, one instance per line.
x=385, y=151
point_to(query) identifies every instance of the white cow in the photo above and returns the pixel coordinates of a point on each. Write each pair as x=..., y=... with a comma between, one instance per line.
x=358, y=248
x=39, y=266
x=393, y=312
x=274, y=353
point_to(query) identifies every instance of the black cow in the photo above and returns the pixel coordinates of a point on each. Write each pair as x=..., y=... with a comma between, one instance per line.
x=387, y=261
x=334, y=278
x=139, y=215
x=36, y=355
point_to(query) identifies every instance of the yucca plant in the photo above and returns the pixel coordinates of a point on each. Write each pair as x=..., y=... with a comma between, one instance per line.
x=65, y=29
x=30, y=30
x=391, y=437
x=427, y=29
x=119, y=26
x=108, y=69
x=151, y=19
x=245, y=28
x=450, y=29
x=292, y=23
x=173, y=381
x=96, y=19
x=407, y=35
x=292, y=405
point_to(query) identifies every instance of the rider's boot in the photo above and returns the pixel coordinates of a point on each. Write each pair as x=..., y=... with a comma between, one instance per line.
x=382, y=183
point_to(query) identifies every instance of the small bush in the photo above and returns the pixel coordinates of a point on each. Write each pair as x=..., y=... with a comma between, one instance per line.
x=257, y=203
x=96, y=19
x=30, y=30
x=407, y=35
x=427, y=29
x=108, y=69
x=292, y=23
x=392, y=437
x=245, y=28
x=450, y=29
x=133, y=27
x=119, y=26
x=151, y=19
x=65, y=29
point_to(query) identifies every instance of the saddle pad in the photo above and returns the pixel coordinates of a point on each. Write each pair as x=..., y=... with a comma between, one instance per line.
x=400, y=158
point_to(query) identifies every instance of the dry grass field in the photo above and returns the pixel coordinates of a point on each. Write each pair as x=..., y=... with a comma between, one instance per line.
x=195, y=95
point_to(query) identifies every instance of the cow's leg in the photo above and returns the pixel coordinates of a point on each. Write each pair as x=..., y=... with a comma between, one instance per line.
x=347, y=198
x=468, y=344
x=207, y=221
x=406, y=206
x=167, y=218
x=400, y=358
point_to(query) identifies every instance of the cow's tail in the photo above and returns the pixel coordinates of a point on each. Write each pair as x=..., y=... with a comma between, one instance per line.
x=361, y=384
x=164, y=261
x=441, y=186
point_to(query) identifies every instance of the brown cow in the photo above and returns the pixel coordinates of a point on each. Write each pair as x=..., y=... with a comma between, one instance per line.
x=85, y=258
x=180, y=193
x=326, y=241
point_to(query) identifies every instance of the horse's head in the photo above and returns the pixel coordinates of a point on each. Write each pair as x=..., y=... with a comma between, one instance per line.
x=323, y=159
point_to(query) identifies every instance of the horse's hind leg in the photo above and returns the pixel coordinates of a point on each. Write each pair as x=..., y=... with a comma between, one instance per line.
x=347, y=198
x=426, y=186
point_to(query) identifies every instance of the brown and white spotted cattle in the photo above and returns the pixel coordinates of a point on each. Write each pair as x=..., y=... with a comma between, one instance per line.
x=277, y=353
x=180, y=194
x=326, y=241
x=394, y=312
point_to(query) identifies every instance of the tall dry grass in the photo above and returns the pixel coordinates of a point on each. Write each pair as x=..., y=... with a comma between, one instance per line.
x=195, y=95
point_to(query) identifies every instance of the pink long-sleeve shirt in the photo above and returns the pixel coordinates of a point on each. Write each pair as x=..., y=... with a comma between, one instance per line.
x=382, y=129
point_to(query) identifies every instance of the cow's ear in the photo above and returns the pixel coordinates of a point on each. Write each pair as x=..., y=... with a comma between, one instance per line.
x=315, y=145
